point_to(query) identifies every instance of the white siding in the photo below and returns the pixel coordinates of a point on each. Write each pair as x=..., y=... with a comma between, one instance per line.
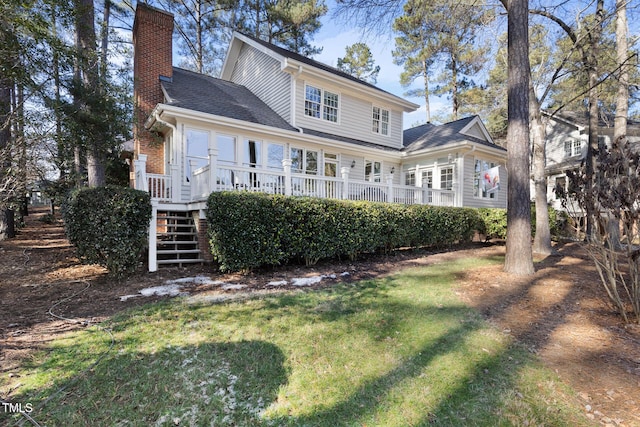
x=354, y=117
x=261, y=74
x=468, y=199
x=557, y=134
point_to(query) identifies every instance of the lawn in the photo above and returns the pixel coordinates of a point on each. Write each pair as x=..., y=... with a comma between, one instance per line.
x=396, y=351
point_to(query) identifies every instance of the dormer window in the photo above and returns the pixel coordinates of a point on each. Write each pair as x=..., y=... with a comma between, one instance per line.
x=321, y=104
x=380, y=122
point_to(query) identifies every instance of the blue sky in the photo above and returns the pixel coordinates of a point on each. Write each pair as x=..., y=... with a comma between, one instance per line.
x=334, y=37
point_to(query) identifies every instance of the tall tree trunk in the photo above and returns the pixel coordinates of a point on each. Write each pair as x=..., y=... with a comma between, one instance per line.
x=519, y=256
x=622, y=59
x=104, y=44
x=591, y=64
x=7, y=226
x=425, y=74
x=454, y=87
x=86, y=49
x=542, y=239
x=622, y=99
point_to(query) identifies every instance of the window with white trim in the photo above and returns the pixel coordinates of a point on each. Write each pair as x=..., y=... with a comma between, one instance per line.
x=410, y=178
x=321, y=104
x=304, y=161
x=446, y=178
x=380, y=123
x=275, y=155
x=372, y=171
x=572, y=147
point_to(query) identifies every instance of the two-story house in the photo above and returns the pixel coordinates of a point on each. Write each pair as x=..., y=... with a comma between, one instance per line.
x=566, y=148
x=278, y=122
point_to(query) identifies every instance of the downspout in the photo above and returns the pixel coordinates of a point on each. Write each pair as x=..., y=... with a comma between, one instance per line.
x=174, y=132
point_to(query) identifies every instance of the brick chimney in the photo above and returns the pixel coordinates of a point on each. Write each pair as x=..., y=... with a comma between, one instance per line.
x=152, y=58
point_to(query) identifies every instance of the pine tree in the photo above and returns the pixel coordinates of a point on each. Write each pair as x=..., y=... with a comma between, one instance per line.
x=359, y=63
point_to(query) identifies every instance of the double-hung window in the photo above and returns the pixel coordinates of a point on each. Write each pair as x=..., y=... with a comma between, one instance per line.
x=572, y=147
x=380, y=121
x=321, y=104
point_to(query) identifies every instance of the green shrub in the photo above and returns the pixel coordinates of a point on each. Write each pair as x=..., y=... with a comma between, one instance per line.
x=248, y=230
x=245, y=229
x=494, y=222
x=108, y=226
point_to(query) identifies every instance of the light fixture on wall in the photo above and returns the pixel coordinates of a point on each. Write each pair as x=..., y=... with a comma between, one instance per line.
x=393, y=169
x=353, y=164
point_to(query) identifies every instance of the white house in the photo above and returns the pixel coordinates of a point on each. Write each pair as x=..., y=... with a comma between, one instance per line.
x=278, y=122
x=566, y=145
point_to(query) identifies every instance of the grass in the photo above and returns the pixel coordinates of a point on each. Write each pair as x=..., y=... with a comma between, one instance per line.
x=397, y=351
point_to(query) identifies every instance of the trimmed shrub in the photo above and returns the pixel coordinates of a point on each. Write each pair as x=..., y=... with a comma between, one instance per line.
x=248, y=230
x=108, y=226
x=494, y=222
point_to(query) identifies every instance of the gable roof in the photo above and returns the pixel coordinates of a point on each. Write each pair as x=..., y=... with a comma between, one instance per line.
x=289, y=58
x=580, y=120
x=206, y=94
x=431, y=136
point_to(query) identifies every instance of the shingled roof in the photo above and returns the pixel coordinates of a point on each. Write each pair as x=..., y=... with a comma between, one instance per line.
x=431, y=136
x=199, y=92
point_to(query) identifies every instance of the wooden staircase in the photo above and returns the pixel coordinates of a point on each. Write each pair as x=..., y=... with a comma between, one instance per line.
x=177, y=239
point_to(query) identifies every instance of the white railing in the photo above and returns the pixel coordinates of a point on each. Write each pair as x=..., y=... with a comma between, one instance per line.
x=371, y=191
x=230, y=178
x=240, y=178
x=159, y=186
x=199, y=183
x=324, y=187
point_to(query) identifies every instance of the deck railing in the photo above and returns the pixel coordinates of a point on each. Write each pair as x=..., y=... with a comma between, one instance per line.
x=283, y=181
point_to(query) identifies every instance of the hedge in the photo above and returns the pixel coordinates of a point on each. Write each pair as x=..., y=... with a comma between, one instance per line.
x=249, y=230
x=494, y=222
x=108, y=226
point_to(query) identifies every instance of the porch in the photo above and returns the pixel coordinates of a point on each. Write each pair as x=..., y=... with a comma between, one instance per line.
x=285, y=181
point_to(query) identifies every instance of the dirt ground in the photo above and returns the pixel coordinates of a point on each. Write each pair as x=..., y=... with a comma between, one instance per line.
x=561, y=313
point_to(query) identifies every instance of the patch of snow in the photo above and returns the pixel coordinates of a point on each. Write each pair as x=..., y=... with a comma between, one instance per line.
x=233, y=286
x=278, y=283
x=170, y=290
x=346, y=273
x=126, y=297
x=307, y=281
x=197, y=280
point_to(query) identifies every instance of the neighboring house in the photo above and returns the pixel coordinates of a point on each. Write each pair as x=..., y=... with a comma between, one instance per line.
x=277, y=122
x=566, y=145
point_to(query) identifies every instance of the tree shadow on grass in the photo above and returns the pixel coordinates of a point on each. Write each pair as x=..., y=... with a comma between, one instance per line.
x=208, y=384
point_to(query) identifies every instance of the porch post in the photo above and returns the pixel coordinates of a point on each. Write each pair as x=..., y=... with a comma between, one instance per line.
x=345, y=182
x=213, y=169
x=390, y=188
x=286, y=164
x=153, y=236
x=140, y=167
x=175, y=183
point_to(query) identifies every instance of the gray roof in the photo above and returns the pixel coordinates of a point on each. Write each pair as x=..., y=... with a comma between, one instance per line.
x=353, y=141
x=431, y=136
x=199, y=92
